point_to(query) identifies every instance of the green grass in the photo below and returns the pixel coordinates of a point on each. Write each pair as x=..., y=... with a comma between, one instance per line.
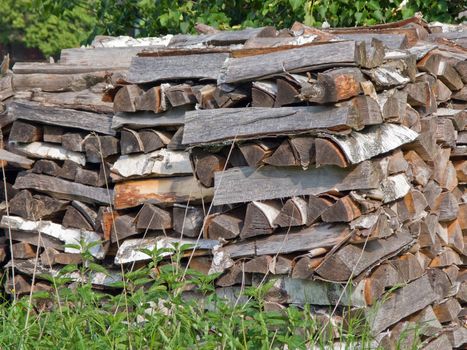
x=152, y=312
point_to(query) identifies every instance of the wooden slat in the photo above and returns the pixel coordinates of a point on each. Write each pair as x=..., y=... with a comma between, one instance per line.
x=159, y=191
x=71, y=118
x=295, y=60
x=151, y=69
x=140, y=120
x=246, y=184
x=63, y=189
x=205, y=126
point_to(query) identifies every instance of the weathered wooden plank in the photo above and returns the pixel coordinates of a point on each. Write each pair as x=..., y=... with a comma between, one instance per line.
x=246, y=184
x=15, y=159
x=57, y=82
x=63, y=189
x=140, y=120
x=374, y=140
x=158, y=163
x=205, y=126
x=391, y=41
x=159, y=191
x=317, y=236
x=71, y=118
x=300, y=59
x=66, y=235
x=57, y=68
x=151, y=69
x=130, y=249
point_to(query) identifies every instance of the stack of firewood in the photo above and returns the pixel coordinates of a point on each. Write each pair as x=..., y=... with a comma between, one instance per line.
x=331, y=162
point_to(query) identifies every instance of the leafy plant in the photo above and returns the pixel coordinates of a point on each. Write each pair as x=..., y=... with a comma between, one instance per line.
x=52, y=25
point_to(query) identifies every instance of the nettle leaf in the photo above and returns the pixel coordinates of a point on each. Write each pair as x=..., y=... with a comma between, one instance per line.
x=295, y=4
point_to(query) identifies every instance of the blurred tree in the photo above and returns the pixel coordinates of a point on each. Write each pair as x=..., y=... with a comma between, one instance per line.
x=54, y=24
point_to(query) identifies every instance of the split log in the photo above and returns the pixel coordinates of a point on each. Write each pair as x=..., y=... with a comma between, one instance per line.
x=205, y=96
x=36, y=207
x=51, y=257
x=287, y=91
x=263, y=93
x=151, y=100
x=196, y=66
x=334, y=85
x=344, y=210
x=24, y=132
x=224, y=226
x=402, y=303
x=62, y=117
x=33, y=238
x=443, y=70
x=47, y=167
x=447, y=311
x=420, y=171
x=187, y=220
x=255, y=153
x=66, y=235
x=100, y=147
x=151, y=217
x=159, y=191
x=231, y=98
x=446, y=206
x=282, y=156
x=73, y=141
x=63, y=189
x=347, y=257
x=22, y=250
x=180, y=95
x=206, y=164
x=241, y=184
x=68, y=170
x=305, y=150
x=124, y=100
x=73, y=218
x=130, y=142
x=293, y=213
x=124, y=226
x=52, y=134
x=328, y=153
x=87, y=212
x=259, y=218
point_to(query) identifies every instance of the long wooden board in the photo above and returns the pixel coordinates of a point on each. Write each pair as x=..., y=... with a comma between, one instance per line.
x=151, y=69
x=300, y=59
x=160, y=191
x=101, y=123
x=205, y=126
x=246, y=184
x=63, y=189
x=140, y=120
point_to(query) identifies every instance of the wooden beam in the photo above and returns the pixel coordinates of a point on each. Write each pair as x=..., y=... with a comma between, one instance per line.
x=294, y=60
x=159, y=191
x=63, y=189
x=197, y=66
x=207, y=126
x=71, y=118
x=246, y=184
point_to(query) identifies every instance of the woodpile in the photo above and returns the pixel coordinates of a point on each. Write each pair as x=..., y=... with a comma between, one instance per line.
x=332, y=162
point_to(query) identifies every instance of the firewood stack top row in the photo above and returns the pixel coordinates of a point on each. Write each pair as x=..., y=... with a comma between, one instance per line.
x=330, y=161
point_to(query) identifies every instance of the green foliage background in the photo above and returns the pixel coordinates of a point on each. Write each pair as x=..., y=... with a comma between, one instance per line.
x=54, y=24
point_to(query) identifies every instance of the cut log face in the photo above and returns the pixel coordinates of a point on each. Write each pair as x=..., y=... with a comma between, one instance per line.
x=334, y=85
x=305, y=150
x=73, y=218
x=124, y=100
x=124, y=226
x=151, y=100
x=226, y=226
x=187, y=220
x=206, y=164
x=293, y=213
x=36, y=207
x=282, y=156
x=151, y=217
x=24, y=132
x=259, y=218
x=328, y=153
x=344, y=210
